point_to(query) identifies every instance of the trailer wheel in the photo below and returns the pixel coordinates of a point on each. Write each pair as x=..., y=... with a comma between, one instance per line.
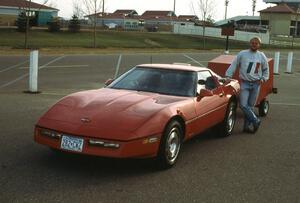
x=264, y=108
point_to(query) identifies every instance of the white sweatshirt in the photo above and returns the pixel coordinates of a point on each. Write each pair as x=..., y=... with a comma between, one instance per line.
x=253, y=66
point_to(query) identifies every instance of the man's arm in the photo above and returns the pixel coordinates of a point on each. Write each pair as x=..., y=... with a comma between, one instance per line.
x=232, y=68
x=265, y=68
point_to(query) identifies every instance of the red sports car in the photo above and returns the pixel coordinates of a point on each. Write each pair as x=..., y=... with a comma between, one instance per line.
x=147, y=112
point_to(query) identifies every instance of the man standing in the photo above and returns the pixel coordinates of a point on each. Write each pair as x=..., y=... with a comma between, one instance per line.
x=254, y=70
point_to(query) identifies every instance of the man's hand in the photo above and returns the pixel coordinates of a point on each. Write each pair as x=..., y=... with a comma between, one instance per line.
x=261, y=81
x=227, y=80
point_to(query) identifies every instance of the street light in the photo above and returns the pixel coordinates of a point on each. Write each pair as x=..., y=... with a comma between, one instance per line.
x=174, y=6
x=253, y=6
x=226, y=5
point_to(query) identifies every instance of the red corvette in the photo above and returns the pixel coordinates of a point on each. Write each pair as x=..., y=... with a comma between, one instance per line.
x=147, y=112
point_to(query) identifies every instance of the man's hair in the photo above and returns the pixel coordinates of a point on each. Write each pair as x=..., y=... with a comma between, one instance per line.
x=256, y=38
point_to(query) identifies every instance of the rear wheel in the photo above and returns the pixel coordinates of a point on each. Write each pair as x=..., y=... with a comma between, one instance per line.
x=227, y=126
x=264, y=108
x=170, y=145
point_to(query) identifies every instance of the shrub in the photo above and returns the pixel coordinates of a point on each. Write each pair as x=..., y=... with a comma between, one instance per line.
x=21, y=22
x=74, y=24
x=54, y=25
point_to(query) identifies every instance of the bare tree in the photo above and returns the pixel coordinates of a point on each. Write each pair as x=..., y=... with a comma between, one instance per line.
x=77, y=9
x=25, y=6
x=206, y=8
x=92, y=8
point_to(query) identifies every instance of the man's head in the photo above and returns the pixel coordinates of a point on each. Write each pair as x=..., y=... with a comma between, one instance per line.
x=255, y=43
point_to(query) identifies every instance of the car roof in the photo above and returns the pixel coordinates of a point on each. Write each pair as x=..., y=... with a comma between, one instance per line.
x=185, y=67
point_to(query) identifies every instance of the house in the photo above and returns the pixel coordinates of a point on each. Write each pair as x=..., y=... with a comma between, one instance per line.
x=156, y=18
x=127, y=19
x=283, y=19
x=187, y=18
x=10, y=9
x=246, y=23
x=293, y=3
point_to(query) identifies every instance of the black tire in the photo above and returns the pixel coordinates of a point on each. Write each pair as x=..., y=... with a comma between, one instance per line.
x=225, y=129
x=264, y=108
x=170, y=145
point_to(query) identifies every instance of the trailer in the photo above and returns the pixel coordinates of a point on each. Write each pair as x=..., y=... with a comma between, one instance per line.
x=220, y=65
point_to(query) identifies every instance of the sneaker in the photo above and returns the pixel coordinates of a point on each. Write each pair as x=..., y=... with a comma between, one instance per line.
x=256, y=126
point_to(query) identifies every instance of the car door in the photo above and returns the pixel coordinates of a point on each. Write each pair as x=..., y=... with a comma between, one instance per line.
x=209, y=109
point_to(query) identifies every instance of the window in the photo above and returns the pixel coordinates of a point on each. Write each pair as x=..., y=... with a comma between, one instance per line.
x=206, y=80
x=162, y=81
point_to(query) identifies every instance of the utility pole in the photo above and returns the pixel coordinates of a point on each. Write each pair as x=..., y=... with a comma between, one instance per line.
x=226, y=6
x=103, y=4
x=174, y=6
x=253, y=7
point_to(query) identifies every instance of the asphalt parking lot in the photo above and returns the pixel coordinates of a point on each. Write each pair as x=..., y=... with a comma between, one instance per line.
x=264, y=167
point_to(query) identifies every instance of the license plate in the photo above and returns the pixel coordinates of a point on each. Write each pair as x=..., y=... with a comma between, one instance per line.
x=71, y=143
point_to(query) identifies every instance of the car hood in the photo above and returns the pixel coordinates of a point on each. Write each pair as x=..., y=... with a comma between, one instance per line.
x=108, y=110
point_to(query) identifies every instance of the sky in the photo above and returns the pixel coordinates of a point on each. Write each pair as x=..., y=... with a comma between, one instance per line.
x=183, y=7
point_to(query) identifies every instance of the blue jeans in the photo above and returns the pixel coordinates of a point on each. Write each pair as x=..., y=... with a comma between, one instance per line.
x=248, y=96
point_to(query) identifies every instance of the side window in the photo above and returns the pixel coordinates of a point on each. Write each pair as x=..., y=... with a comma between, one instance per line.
x=207, y=79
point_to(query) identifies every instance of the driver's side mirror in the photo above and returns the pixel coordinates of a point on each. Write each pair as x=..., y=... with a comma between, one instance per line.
x=205, y=93
x=108, y=82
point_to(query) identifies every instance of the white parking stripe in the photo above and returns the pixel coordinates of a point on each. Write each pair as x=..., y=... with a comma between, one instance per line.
x=67, y=66
x=14, y=66
x=194, y=60
x=118, y=66
x=25, y=75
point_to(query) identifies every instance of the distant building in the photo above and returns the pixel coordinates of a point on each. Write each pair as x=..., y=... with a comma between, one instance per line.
x=130, y=20
x=157, y=18
x=187, y=18
x=293, y=3
x=127, y=19
x=10, y=9
x=283, y=18
x=246, y=23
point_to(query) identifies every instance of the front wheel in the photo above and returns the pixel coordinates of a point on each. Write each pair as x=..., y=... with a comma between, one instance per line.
x=264, y=108
x=227, y=126
x=170, y=145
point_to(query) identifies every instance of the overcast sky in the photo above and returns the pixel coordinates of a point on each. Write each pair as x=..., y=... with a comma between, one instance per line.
x=183, y=7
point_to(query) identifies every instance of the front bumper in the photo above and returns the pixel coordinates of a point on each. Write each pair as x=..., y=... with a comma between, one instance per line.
x=139, y=148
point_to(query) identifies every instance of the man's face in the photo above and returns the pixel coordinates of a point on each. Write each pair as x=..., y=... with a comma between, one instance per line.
x=254, y=45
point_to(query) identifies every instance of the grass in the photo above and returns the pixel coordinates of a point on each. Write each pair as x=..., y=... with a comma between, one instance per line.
x=111, y=39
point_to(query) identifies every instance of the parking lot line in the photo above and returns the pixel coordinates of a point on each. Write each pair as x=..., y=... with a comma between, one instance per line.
x=14, y=66
x=118, y=66
x=66, y=66
x=25, y=75
x=194, y=60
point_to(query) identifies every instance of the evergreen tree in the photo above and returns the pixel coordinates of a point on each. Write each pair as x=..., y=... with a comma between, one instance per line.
x=74, y=24
x=54, y=25
x=21, y=22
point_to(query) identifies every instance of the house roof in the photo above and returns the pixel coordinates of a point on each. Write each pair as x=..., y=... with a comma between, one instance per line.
x=281, y=8
x=158, y=13
x=187, y=18
x=237, y=18
x=23, y=4
x=281, y=1
x=125, y=11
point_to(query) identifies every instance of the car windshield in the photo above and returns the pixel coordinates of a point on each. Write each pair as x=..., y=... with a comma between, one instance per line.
x=158, y=80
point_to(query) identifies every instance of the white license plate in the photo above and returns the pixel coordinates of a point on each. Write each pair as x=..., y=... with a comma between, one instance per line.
x=71, y=143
